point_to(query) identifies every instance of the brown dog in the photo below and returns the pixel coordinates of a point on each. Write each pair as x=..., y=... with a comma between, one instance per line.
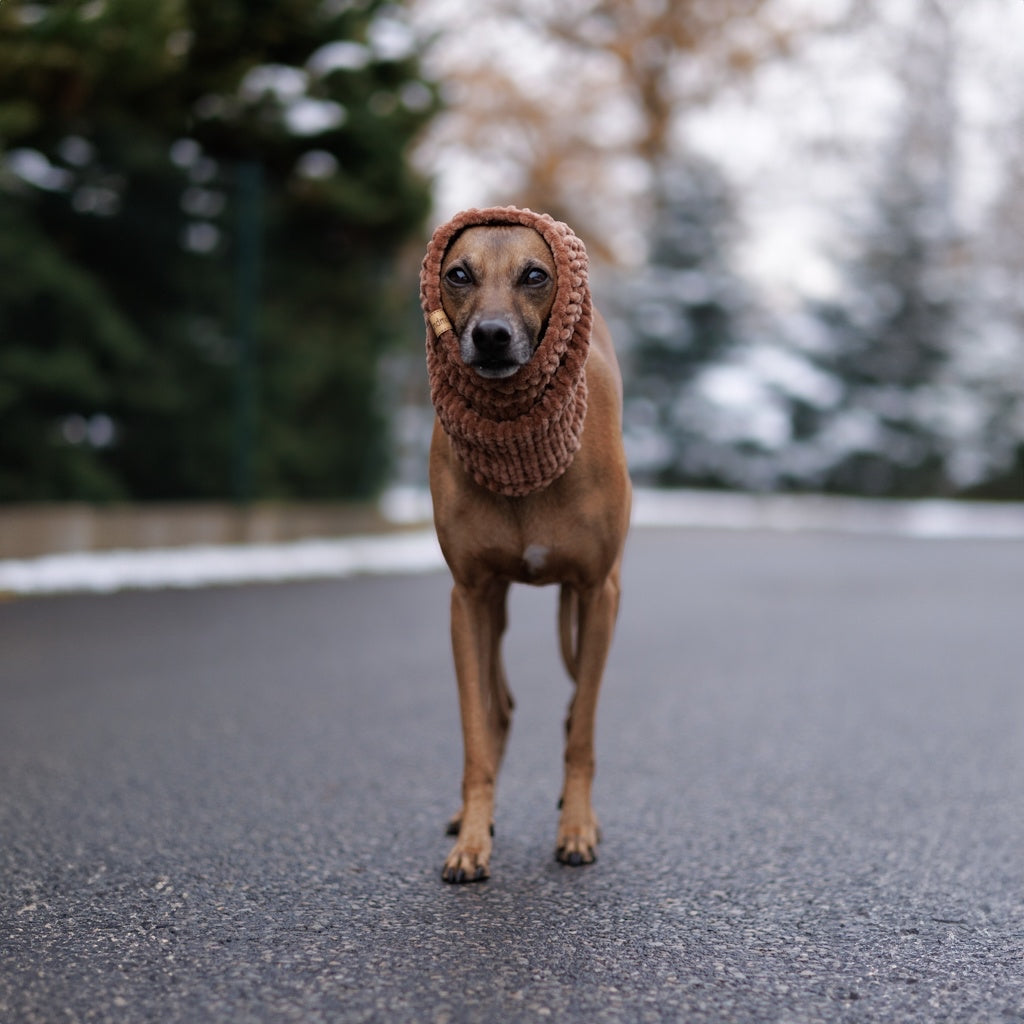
x=497, y=286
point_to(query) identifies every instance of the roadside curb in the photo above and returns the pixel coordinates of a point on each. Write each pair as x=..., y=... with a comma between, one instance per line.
x=406, y=542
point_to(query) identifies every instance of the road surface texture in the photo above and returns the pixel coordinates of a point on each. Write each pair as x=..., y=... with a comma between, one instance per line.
x=229, y=804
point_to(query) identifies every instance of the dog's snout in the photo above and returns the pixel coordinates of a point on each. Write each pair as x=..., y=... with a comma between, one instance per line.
x=492, y=337
x=495, y=346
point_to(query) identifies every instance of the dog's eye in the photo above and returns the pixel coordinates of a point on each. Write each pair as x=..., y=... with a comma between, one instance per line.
x=535, y=276
x=458, y=276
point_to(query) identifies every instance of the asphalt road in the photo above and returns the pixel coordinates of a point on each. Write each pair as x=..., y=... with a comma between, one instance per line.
x=228, y=804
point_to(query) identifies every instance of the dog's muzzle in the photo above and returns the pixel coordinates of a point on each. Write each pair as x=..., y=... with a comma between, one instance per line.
x=494, y=348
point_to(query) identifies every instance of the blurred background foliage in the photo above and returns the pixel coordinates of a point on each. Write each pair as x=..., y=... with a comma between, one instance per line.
x=177, y=174
x=804, y=219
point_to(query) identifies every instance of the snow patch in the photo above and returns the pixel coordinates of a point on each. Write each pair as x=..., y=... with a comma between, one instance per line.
x=924, y=520
x=108, y=571
x=417, y=551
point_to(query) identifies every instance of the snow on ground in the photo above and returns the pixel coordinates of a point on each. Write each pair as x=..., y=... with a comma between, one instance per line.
x=416, y=550
x=107, y=571
x=925, y=520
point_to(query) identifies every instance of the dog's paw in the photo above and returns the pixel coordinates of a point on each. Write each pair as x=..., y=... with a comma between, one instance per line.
x=576, y=853
x=467, y=864
x=577, y=845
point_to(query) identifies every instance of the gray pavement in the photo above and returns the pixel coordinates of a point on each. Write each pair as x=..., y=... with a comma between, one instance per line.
x=229, y=804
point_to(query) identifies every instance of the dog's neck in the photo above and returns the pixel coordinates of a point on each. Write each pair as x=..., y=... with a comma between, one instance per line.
x=512, y=442
x=519, y=434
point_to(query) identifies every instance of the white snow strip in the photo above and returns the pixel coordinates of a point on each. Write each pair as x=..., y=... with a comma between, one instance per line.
x=418, y=551
x=933, y=520
x=107, y=571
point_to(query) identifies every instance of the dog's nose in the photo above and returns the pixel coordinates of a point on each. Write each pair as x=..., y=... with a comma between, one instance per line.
x=492, y=337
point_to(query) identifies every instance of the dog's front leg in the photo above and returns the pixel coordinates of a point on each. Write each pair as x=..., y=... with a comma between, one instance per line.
x=475, y=634
x=578, y=833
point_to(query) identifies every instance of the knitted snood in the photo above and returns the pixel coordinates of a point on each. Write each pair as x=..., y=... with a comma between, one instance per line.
x=517, y=434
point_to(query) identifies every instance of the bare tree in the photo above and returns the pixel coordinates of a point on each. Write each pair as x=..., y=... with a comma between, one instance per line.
x=574, y=107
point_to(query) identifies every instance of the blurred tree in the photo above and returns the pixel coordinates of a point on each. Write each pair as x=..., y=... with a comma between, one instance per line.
x=892, y=332
x=125, y=126
x=577, y=105
x=681, y=312
x=67, y=359
x=991, y=361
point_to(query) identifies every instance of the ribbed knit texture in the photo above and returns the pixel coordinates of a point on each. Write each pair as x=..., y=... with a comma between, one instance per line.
x=518, y=434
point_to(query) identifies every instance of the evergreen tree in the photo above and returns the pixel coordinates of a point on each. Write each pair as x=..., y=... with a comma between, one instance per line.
x=171, y=171
x=680, y=313
x=892, y=333
x=990, y=359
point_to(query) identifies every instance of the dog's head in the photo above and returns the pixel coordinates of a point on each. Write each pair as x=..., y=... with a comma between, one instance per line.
x=497, y=288
x=507, y=303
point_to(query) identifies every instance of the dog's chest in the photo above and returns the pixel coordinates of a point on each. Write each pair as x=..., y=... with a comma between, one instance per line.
x=530, y=560
x=535, y=558
x=541, y=561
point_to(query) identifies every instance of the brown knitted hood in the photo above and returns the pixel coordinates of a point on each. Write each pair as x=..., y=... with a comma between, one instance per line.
x=517, y=434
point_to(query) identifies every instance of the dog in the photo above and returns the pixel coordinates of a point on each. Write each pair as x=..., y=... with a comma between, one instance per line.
x=498, y=282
